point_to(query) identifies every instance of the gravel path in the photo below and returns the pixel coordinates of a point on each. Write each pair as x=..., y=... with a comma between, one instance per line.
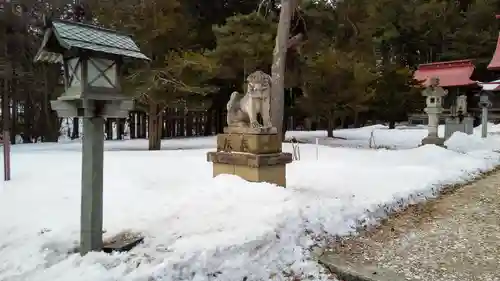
x=454, y=238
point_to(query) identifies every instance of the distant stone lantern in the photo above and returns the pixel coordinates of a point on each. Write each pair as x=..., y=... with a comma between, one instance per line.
x=484, y=104
x=91, y=58
x=434, y=107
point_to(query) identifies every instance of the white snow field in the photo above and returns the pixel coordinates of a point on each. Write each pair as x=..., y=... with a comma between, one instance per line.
x=203, y=228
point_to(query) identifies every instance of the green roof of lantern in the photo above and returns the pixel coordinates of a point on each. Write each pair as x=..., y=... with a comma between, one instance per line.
x=71, y=35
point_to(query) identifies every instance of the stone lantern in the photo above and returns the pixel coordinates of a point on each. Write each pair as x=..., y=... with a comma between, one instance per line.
x=91, y=58
x=484, y=104
x=434, y=99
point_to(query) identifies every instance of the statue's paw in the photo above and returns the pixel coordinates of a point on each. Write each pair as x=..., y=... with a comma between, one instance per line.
x=255, y=125
x=269, y=125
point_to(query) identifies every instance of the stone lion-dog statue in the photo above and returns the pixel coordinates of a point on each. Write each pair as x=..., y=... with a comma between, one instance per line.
x=242, y=110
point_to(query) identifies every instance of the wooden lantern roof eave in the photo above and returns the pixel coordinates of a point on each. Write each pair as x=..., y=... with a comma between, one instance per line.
x=84, y=37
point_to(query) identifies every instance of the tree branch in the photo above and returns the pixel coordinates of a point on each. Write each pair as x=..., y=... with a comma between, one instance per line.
x=294, y=41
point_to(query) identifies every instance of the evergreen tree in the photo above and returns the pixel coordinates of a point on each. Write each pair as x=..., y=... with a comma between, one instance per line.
x=178, y=69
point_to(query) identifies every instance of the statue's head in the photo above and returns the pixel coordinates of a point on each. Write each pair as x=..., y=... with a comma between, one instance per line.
x=258, y=83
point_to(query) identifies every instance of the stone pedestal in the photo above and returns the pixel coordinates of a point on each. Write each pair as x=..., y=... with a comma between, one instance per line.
x=433, y=117
x=252, y=154
x=433, y=140
x=484, y=122
x=453, y=125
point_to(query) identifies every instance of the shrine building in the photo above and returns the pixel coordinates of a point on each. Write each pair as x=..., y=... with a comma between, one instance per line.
x=454, y=76
x=493, y=87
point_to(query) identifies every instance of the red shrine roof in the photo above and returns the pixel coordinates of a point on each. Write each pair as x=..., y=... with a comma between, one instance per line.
x=495, y=61
x=451, y=73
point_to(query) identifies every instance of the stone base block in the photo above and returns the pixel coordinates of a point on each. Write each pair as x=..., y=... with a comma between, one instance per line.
x=453, y=125
x=433, y=140
x=269, y=168
x=270, y=174
x=250, y=131
x=250, y=160
x=248, y=143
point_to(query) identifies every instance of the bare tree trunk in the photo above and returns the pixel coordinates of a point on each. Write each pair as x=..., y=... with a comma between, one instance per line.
x=183, y=131
x=392, y=124
x=120, y=128
x=69, y=131
x=208, y=126
x=278, y=66
x=144, y=120
x=154, y=128
x=330, y=125
x=28, y=116
x=76, y=128
x=108, y=128
x=356, y=119
x=221, y=121
x=5, y=106
x=52, y=122
x=52, y=134
x=343, y=123
x=132, y=125
x=286, y=116
x=189, y=124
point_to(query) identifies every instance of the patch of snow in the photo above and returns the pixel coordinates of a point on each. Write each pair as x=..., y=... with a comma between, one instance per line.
x=224, y=228
x=380, y=135
x=402, y=137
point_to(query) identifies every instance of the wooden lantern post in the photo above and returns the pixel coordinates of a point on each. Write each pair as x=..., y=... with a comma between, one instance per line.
x=91, y=57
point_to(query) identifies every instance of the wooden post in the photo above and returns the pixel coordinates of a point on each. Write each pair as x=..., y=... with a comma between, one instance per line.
x=92, y=185
x=6, y=155
x=6, y=133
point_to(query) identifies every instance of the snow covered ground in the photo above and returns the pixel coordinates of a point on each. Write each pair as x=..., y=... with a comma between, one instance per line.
x=402, y=138
x=203, y=228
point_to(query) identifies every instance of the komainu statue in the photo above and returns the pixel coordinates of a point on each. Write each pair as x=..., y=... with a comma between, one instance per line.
x=462, y=104
x=242, y=110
